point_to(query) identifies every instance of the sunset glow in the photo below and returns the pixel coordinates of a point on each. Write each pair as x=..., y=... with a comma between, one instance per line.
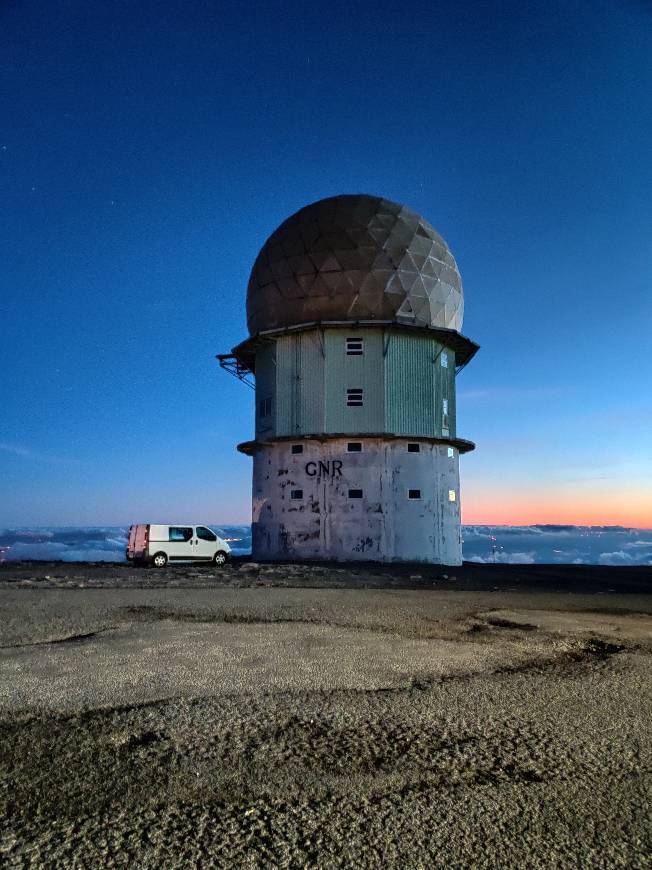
x=515, y=507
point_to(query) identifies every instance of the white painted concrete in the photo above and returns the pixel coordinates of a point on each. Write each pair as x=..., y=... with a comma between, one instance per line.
x=384, y=525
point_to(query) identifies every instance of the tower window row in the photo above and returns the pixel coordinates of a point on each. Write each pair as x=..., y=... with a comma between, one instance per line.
x=412, y=494
x=356, y=447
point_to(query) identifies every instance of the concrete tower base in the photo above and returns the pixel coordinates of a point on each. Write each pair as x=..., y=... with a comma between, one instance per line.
x=390, y=500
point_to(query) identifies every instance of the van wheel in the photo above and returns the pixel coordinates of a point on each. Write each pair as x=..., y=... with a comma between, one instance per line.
x=160, y=560
x=219, y=558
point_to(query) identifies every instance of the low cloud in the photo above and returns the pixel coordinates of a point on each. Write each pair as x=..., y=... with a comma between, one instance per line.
x=620, y=557
x=552, y=530
x=505, y=559
x=541, y=544
x=558, y=544
x=96, y=544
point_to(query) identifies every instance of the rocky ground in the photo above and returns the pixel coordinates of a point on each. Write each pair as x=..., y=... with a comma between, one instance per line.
x=325, y=716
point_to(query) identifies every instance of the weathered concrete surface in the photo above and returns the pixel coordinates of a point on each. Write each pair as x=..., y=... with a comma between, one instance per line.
x=320, y=727
x=382, y=524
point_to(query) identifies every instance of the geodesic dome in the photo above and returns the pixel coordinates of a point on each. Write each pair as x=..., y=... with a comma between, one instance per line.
x=354, y=257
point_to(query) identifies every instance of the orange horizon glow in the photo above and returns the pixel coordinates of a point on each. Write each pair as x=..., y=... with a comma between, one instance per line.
x=483, y=508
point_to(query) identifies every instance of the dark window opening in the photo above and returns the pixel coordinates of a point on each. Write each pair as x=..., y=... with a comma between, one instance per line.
x=355, y=493
x=414, y=448
x=296, y=494
x=180, y=534
x=354, y=447
x=297, y=448
x=414, y=493
x=354, y=397
x=205, y=534
x=354, y=346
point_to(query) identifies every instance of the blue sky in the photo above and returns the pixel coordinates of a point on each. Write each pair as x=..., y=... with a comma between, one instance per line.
x=149, y=149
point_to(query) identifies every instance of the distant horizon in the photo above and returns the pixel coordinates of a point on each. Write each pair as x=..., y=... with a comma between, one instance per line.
x=544, y=543
x=118, y=525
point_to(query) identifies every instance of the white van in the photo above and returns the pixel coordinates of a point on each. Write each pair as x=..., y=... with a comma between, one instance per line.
x=179, y=543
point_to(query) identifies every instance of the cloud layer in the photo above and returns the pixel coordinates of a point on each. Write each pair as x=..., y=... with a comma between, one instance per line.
x=90, y=544
x=590, y=545
x=560, y=544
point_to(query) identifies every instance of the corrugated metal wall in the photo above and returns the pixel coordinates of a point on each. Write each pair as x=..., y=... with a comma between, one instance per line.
x=265, y=389
x=416, y=383
x=287, y=385
x=362, y=372
x=410, y=385
x=312, y=381
x=308, y=374
x=300, y=383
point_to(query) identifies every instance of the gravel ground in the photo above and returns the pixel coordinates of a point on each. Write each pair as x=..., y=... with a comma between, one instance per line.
x=287, y=717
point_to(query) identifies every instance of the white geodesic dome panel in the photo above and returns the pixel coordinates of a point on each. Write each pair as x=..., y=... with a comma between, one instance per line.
x=354, y=257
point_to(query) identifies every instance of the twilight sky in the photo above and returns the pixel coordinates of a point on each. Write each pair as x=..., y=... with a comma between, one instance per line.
x=148, y=149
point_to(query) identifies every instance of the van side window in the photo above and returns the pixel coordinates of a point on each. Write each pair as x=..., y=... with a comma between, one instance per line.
x=180, y=533
x=205, y=534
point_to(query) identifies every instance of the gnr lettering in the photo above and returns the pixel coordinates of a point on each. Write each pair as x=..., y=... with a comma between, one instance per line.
x=330, y=468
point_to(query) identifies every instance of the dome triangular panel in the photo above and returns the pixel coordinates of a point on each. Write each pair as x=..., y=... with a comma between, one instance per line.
x=354, y=255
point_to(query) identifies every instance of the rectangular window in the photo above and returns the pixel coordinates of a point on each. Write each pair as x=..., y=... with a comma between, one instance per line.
x=444, y=360
x=354, y=447
x=354, y=346
x=297, y=448
x=180, y=533
x=265, y=407
x=414, y=447
x=451, y=495
x=444, y=413
x=355, y=493
x=354, y=397
x=414, y=493
x=296, y=494
x=451, y=453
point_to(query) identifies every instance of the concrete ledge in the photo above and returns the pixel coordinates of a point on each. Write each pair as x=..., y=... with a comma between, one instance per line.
x=251, y=447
